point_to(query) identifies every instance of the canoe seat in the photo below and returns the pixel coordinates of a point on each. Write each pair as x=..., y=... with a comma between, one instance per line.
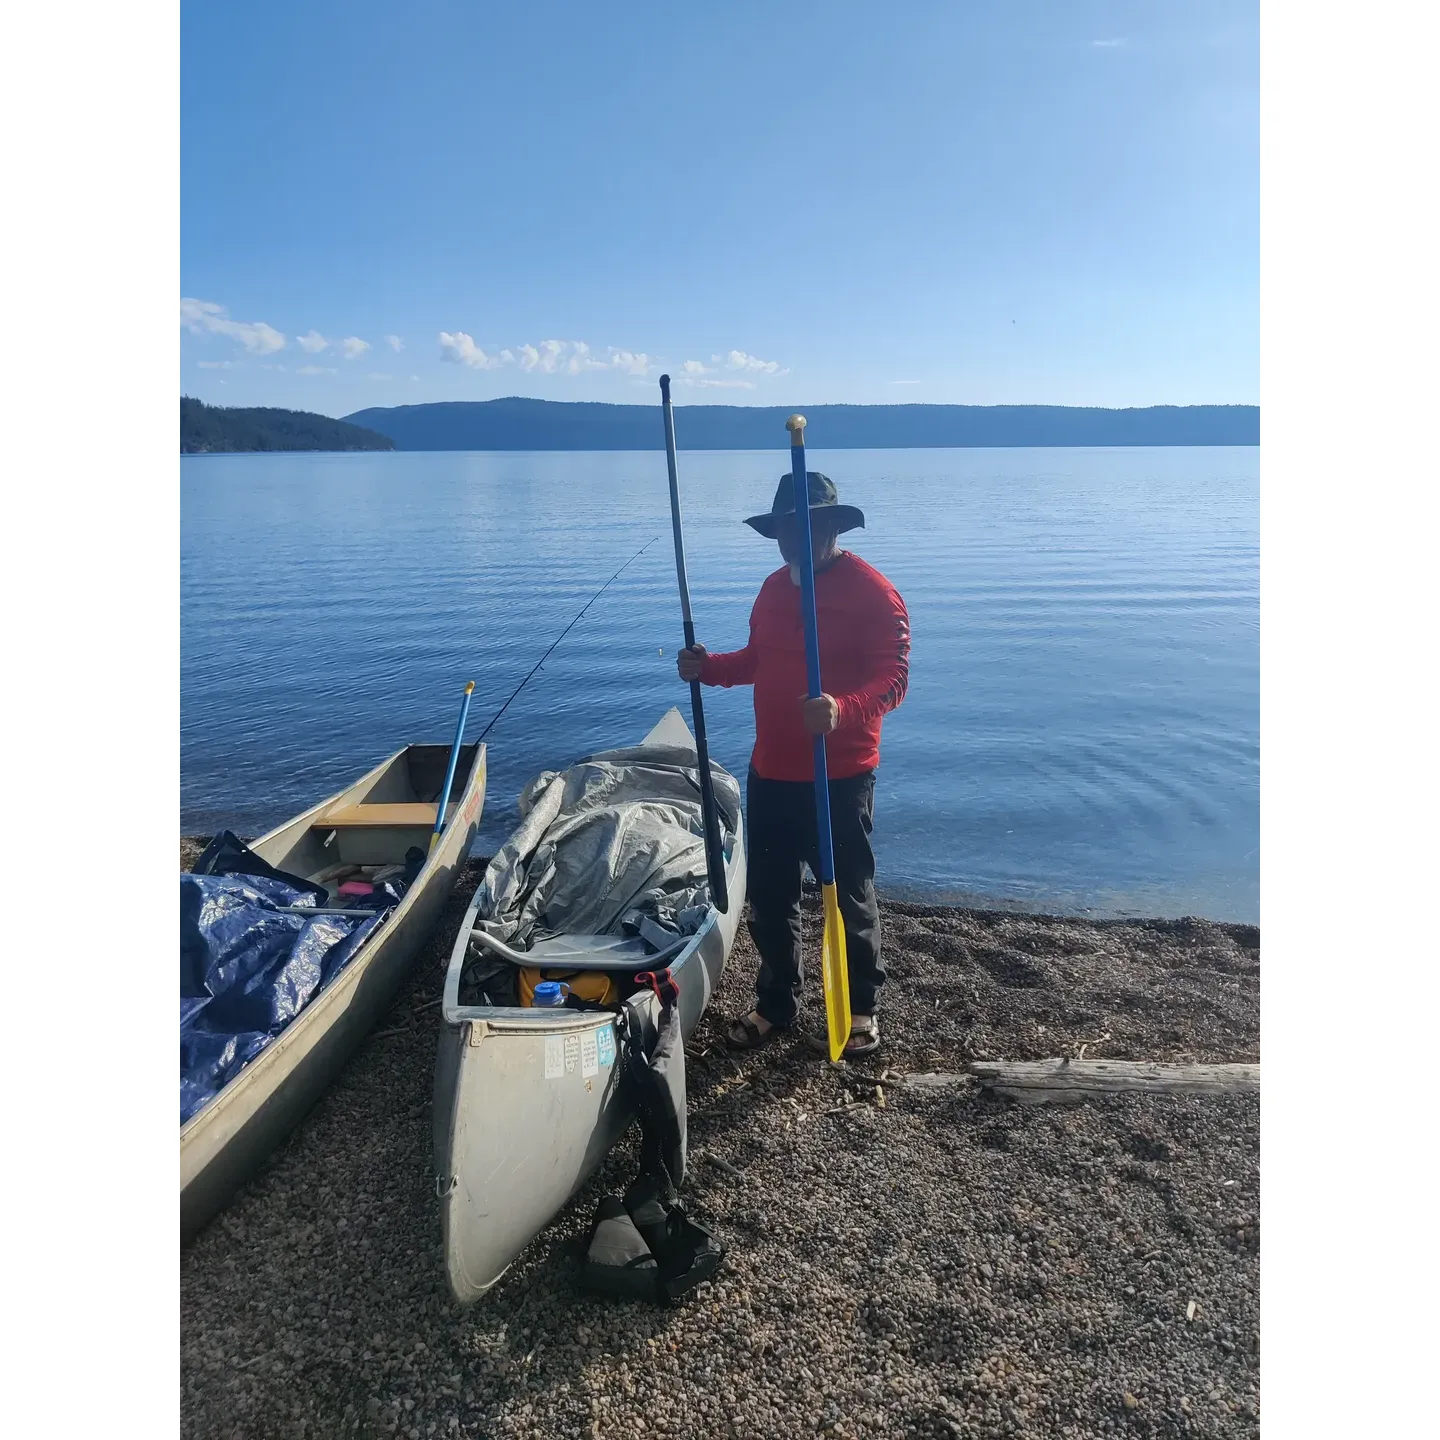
x=413, y=815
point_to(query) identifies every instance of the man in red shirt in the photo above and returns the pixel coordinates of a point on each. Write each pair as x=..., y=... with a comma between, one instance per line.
x=864, y=665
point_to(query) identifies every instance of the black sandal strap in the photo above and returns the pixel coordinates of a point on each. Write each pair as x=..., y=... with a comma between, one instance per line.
x=755, y=1037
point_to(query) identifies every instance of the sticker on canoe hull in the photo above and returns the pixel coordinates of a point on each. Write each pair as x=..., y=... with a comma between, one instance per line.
x=605, y=1043
x=572, y=1053
x=589, y=1062
x=554, y=1057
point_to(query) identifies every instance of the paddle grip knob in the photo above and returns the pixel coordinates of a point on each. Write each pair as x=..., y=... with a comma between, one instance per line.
x=665, y=387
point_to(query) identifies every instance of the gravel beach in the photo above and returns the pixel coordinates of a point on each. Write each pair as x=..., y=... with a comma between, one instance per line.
x=902, y=1262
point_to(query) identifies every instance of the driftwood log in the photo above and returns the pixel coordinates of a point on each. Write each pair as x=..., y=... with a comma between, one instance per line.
x=1036, y=1081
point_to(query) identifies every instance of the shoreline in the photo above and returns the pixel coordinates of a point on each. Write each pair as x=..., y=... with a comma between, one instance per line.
x=903, y=1262
x=954, y=898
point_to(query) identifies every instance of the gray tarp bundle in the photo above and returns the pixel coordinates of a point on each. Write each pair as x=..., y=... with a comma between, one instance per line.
x=615, y=838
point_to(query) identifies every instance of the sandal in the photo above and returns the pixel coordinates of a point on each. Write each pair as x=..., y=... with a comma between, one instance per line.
x=867, y=1032
x=753, y=1036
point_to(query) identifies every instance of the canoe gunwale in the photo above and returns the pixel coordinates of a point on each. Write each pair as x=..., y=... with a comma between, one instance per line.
x=499, y=1019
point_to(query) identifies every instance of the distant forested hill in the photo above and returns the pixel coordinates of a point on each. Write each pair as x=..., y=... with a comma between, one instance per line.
x=209, y=429
x=522, y=424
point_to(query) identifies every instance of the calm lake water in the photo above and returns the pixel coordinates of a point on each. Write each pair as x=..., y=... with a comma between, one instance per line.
x=1082, y=728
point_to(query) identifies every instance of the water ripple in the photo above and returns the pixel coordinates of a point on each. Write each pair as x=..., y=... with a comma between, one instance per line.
x=1081, y=730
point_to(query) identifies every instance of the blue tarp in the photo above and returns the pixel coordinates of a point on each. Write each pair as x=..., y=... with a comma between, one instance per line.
x=246, y=971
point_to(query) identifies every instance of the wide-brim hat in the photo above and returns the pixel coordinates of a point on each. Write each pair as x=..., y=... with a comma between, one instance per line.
x=823, y=498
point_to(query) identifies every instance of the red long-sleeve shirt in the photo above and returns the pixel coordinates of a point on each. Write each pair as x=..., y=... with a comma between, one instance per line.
x=864, y=663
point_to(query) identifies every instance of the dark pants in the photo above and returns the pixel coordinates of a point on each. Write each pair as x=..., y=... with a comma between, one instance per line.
x=780, y=835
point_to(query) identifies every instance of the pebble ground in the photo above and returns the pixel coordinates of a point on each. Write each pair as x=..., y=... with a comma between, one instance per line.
x=902, y=1262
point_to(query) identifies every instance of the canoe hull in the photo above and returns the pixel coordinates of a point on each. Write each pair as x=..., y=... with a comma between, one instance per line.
x=527, y=1103
x=223, y=1144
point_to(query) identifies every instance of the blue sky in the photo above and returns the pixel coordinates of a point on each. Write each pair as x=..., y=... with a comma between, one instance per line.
x=1035, y=201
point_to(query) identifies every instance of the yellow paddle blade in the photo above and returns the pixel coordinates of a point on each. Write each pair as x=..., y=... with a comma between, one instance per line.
x=835, y=972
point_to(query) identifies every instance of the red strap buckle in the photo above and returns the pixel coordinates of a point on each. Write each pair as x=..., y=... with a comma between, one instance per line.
x=662, y=983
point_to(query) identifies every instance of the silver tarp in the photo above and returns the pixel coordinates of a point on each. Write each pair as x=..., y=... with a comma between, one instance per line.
x=613, y=845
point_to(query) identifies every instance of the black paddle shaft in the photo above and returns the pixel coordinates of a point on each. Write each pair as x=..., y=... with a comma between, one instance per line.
x=714, y=854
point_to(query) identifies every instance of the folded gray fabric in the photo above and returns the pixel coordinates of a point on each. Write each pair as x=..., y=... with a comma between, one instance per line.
x=616, y=838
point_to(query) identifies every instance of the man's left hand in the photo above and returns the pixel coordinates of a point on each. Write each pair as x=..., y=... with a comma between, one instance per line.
x=822, y=714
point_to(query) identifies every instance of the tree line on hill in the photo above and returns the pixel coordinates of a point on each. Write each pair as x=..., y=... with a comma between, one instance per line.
x=217, y=429
x=515, y=423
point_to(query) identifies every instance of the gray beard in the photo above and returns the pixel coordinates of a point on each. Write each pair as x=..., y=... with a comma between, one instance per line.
x=820, y=563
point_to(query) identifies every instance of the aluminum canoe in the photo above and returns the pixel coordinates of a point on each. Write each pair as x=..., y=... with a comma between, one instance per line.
x=373, y=821
x=527, y=1102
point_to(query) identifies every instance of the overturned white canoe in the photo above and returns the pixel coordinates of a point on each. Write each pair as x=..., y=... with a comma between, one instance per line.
x=373, y=821
x=527, y=1101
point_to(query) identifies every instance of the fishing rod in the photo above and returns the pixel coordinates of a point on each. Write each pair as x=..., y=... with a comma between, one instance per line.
x=566, y=631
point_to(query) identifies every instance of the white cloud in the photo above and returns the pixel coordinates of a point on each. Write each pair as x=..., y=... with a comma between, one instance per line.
x=552, y=357
x=549, y=357
x=352, y=346
x=736, y=362
x=630, y=363
x=575, y=357
x=312, y=342
x=203, y=317
x=316, y=370
x=739, y=360
x=1118, y=44
x=581, y=358
x=395, y=343
x=706, y=384
x=216, y=364
x=460, y=349
x=904, y=382
x=375, y=375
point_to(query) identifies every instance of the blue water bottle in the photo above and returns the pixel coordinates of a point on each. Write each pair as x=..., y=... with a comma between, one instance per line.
x=550, y=994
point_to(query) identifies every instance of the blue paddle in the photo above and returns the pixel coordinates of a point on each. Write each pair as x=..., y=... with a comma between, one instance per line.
x=834, y=968
x=450, y=769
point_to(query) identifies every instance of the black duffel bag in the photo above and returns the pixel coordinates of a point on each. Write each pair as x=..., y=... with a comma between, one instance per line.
x=645, y=1246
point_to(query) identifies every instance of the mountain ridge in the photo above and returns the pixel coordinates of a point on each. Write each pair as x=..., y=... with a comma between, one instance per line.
x=521, y=423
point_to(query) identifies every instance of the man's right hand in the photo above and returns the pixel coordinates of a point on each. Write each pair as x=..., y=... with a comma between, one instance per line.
x=688, y=663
